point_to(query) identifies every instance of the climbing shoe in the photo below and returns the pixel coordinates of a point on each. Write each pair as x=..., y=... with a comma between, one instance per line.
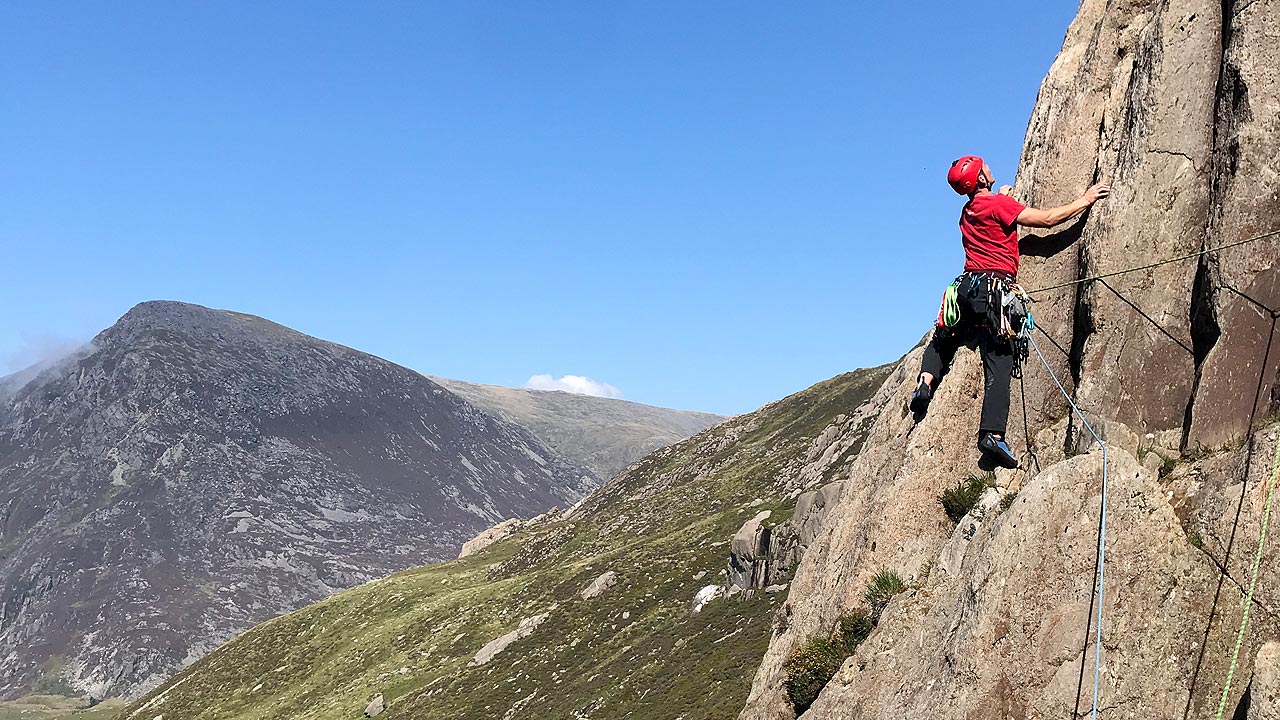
x=998, y=450
x=921, y=397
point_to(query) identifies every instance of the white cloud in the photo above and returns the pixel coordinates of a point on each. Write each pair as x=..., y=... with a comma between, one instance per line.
x=576, y=384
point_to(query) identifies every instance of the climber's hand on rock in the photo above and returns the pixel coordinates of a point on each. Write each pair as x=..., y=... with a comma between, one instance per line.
x=1006, y=189
x=1096, y=193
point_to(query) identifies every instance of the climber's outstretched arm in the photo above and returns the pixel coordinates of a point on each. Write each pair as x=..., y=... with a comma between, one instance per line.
x=1037, y=218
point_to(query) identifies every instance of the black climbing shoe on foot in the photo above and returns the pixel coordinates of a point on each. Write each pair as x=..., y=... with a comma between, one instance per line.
x=998, y=450
x=921, y=397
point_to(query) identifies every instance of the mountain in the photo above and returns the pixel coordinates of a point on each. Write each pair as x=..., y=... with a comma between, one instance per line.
x=590, y=615
x=194, y=471
x=602, y=434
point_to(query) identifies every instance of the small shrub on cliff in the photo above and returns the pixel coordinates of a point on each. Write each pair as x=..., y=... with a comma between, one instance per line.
x=883, y=586
x=962, y=498
x=811, y=667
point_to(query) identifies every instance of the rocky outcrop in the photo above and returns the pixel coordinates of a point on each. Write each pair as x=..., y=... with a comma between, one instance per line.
x=491, y=649
x=485, y=538
x=1006, y=633
x=195, y=471
x=600, y=585
x=749, y=554
x=999, y=625
x=791, y=539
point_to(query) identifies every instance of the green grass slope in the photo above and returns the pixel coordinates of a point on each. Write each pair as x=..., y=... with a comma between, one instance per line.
x=635, y=651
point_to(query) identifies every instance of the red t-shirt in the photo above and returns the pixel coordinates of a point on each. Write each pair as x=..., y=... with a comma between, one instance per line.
x=989, y=230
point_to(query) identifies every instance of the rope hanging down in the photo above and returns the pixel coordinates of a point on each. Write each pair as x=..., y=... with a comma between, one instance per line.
x=1180, y=258
x=1253, y=583
x=1102, y=528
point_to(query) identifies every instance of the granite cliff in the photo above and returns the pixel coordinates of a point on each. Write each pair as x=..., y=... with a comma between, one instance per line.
x=1177, y=105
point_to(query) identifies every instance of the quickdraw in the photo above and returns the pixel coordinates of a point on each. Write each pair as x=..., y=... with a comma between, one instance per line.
x=1016, y=324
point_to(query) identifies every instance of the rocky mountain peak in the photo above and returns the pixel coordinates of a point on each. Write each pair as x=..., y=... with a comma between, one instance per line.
x=158, y=318
x=194, y=471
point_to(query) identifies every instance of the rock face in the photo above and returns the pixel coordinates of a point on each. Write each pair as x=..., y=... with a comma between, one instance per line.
x=196, y=471
x=1264, y=691
x=485, y=538
x=1177, y=105
x=602, y=434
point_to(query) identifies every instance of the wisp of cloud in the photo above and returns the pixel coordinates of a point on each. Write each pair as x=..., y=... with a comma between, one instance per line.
x=576, y=384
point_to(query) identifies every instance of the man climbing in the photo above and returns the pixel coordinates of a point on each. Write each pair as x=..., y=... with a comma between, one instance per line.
x=989, y=231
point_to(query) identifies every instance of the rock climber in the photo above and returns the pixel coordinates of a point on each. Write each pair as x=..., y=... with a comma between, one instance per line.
x=989, y=231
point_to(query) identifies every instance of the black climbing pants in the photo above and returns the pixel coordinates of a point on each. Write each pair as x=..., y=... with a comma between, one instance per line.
x=997, y=354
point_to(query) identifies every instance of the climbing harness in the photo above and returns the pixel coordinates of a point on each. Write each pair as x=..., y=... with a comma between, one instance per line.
x=999, y=294
x=1253, y=583
x=1102, y=527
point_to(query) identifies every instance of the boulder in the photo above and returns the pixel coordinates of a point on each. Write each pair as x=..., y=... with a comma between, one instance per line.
x=598, y=586
x=493, y=647
x=376, y=706
x=706, y=595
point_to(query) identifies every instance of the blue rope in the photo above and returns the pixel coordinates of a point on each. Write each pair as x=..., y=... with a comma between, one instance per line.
x=1102, y=532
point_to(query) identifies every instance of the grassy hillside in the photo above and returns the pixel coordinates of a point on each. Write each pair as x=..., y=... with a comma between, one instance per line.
x=663, y=527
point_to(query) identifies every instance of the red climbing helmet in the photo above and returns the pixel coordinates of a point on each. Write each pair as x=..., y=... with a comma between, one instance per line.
x=963, y=174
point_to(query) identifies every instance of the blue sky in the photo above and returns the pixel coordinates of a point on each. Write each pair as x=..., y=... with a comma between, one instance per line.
x=704, y=205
